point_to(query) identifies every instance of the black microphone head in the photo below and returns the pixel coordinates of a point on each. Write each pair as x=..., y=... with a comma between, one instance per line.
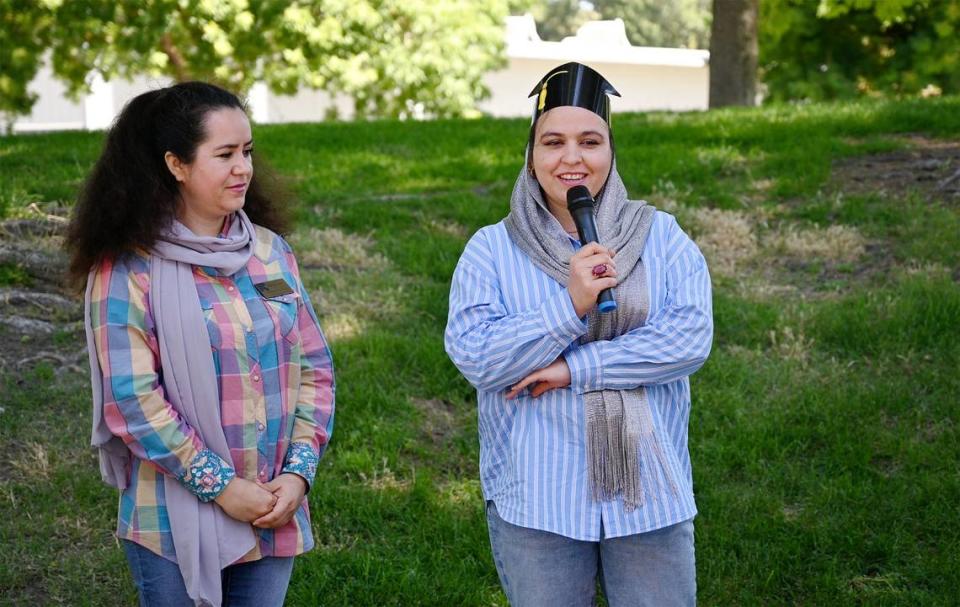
x=578, y=197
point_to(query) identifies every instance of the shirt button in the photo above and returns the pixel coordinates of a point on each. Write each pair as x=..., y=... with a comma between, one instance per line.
x=263, y=474
x=256, y=378
x=250, y=329
x=260, y=426
x=231, y=288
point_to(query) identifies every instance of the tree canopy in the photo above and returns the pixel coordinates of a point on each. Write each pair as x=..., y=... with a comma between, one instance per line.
x=845, y=48
x=392, y=57
x=808, y=49
x=677, y=23
x=666, y=23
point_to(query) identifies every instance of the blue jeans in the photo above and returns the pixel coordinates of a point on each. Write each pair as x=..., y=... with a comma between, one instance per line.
x=159, y=583
x=537, y=568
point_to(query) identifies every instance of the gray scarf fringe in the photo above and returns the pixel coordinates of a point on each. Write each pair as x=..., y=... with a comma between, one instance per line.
x=623, y=446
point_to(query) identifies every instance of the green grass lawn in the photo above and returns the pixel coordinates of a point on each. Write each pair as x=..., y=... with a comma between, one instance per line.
x=824, y=425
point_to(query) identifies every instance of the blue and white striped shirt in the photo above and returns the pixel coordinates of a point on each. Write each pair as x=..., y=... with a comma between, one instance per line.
x=508, y=318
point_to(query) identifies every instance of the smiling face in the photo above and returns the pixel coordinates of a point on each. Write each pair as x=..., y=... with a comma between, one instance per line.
x=571, y=146
x=215, y=183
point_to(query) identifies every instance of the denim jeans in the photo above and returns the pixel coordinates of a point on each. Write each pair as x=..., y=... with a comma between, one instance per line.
x=537, y=568
x=257, y=583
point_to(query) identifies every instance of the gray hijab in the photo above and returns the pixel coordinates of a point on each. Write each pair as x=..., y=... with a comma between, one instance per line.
x=205, y=539
x=622, y=440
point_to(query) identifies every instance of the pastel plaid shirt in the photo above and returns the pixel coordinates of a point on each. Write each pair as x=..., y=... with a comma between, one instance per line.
x=275, y=379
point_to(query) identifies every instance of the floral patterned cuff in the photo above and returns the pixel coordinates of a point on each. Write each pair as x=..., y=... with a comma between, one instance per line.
x=301, y=460
x=207, y=475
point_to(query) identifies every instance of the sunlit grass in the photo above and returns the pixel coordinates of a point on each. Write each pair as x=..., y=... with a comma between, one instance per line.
x=824, y=426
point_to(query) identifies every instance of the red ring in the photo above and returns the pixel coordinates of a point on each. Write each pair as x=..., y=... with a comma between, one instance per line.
x=600, y=269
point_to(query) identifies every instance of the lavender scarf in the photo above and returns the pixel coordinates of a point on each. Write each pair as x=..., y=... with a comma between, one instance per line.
x=205, y=539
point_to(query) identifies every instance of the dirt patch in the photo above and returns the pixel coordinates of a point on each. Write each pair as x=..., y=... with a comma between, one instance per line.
x=930, y=167
x=439, y=419
x=40, y=322
x=931, y=431
x=769, y=257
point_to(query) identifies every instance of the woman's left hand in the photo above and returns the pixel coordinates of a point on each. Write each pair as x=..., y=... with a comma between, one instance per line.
x=289, y=489
x=554, y=375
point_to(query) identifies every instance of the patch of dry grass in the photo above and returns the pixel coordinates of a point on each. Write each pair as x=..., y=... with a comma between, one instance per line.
x=791, y=344
x=439, y=421
x=450, y=228
x=351, y=284
x=726, y=238
x=32, y=461
x=341, y=325
x=462, y=492
x=838, y=243
x=931, y=270
x=331, y=248
x=352, y=300
x=755, y=248
x=383, y=479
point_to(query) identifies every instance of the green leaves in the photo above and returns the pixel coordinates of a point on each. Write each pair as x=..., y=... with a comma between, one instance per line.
x=681, y=23
x=395, y=58
x=24, y=33
x=845, y=48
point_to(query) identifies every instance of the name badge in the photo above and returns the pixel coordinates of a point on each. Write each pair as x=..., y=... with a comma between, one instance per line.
x=273, y=288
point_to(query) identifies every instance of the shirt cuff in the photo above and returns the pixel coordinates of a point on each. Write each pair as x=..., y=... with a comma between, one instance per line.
x=586, y=367
x=301, y=460
x=207, y=475
x=561, y=318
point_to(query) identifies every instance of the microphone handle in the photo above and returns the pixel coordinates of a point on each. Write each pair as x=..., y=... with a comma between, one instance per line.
x=587, y=230
x=606, y=301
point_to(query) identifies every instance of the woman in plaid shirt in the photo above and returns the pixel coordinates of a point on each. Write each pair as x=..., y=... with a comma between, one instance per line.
x=212, y=382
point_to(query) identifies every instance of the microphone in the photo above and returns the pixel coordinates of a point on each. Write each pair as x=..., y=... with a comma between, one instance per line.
x=580, y=205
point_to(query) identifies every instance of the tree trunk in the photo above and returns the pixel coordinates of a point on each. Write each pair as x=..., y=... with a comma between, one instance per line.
x=733, y=53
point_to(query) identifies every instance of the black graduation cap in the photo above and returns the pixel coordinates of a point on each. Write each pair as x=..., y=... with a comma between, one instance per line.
x=573, y=84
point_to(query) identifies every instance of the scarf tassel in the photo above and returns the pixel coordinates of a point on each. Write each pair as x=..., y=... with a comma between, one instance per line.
x=617, y=464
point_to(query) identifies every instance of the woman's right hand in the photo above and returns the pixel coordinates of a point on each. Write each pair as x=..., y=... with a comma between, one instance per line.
x=245, y=500
x=583, y=285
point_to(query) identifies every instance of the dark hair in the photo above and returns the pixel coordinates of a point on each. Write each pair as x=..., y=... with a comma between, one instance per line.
x=130, y=196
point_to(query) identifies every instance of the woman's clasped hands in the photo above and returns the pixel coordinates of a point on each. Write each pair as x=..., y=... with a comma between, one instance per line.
x=268, y=505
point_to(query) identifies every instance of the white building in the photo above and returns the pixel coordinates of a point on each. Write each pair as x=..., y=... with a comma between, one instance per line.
x=647, y=79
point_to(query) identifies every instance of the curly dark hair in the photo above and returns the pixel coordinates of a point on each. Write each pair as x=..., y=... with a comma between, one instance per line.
x=131, y=197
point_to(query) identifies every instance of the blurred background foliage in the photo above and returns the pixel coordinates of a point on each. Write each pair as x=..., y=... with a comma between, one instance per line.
x=403, y=58
x=394, y=58
x=809, y=49
x=849, y=48
x=664, y=23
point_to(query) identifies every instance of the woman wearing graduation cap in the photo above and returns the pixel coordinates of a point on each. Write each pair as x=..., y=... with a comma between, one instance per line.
x=583, y=415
